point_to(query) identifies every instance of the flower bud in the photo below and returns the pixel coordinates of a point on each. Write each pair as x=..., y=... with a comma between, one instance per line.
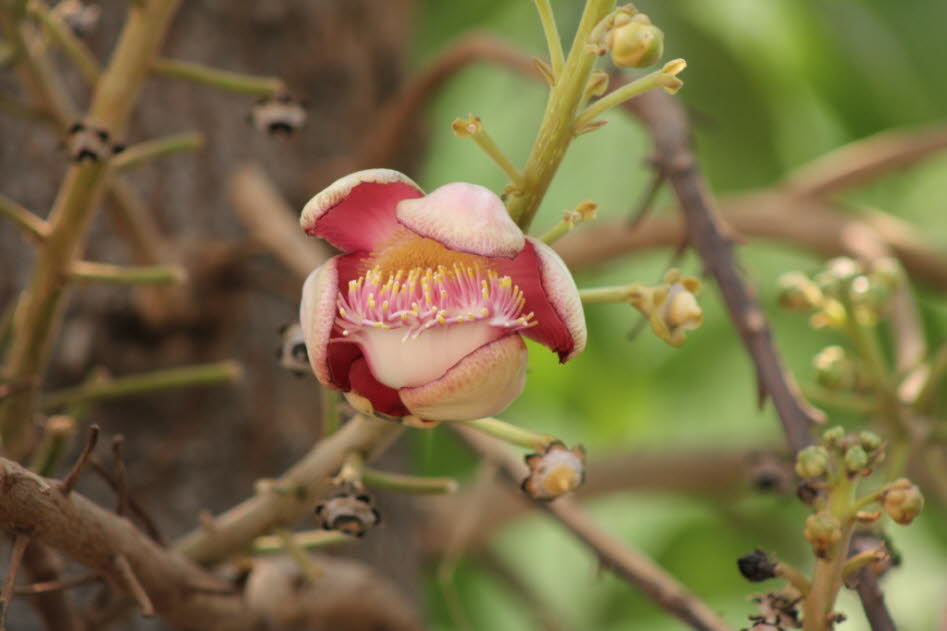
x=555, y=472
x=280, y=114
x=855, y=459
x=870, y=441
x=903, y=501
x=834, y=370
x=823, y=530
x=833, y=436
x=812, y=462
x=797, y=292
x=81, y=16
x=349, y=511
x=635, y=42
x=756, y=566
x=672, y=309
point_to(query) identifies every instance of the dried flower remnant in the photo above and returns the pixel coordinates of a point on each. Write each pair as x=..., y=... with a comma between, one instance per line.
x=85, y=142
x=777, y=612
x=278, y=115
x=422, y=316
x=351, y=510
x=81, y=16
x=672, y=308
x=292, y=354
x=555, y=472
x=757, y=566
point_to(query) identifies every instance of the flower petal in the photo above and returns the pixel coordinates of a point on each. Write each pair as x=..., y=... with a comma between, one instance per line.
x=317, y=315
x=482, y=384
x=357, y=212
x=551, y=295
x=463, y=217
x=382, y=398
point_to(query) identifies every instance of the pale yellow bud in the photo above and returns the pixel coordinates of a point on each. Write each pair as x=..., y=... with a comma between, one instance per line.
x=636, y=43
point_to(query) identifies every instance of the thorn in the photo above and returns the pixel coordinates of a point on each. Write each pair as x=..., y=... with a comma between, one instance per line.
x=68, y=482
x=134, y=586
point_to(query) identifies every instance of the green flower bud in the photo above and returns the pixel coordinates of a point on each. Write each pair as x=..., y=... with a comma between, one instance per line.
x=886, y=272
x=855, y=459
x=635, y=42
x=903, y=501
x=834, y=370
x=833, y=436
x=838, y=273
x=823, y=530
x=812, y=461
x=798, y=293
x=869, y=440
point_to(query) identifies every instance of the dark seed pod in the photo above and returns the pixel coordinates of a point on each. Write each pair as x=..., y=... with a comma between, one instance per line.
x=757, y=566
x=292, y=352
x=278, y=115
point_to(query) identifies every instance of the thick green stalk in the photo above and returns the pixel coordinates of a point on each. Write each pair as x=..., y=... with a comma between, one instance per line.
x=40, y=310
x=827, y=577
x=557, y=128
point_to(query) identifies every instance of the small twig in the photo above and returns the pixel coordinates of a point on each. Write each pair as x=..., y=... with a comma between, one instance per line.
x=31, y=224
x=91, y=272
x=140, y=154
x=306, y=540
x=403, y=483
x=46, y=587
x=121, y=476
x=68, y=482
x=146, y=521
x=646, y=203
x=134, y=586
x=20, y=543
x=217, y=78
x=629, y=564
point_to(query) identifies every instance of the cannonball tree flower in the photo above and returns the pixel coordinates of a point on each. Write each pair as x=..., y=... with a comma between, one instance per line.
x=424, y=312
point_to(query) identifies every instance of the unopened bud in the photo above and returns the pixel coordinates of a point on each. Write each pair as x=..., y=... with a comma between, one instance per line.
x=903, y=501
x=823, y=530
x=280, y=114
x=635, y=42
x=870, y=441
x=838, y=273
x=833, y=369
x=798, y=293
x=554, y=472
x=756, y=566
x=812, y=462
x=886, y=271
x=833, y=436
x=855, y=459
x=349, y=511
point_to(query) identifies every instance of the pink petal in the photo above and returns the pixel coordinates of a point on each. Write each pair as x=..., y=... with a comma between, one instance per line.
x=357, y=212
x=551, y=295
x=317, y=315
x=382, y=398
x=463, y=217
x=482, y=384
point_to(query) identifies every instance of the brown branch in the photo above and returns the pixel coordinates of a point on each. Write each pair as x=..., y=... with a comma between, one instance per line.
x=121, y=476
x=55, y=608
x=627, y=563
x=667, y=123
x=68, y=482
x=17, y=549
x=136, y=509
x=870, y=594
x=134, y=586
x=46, y=587
x=864, y=160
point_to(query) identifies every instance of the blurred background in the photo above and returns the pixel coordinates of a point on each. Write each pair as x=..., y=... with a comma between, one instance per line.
x=770, y=86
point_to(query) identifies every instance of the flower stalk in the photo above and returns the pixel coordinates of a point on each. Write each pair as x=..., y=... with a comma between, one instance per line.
x=472, y=128
x=221, y=79
x=570, y=219
x=141, y=153
x=665, y=78
x=511, y=433
x=306, y=540
x=32, y=225
x=90, y=272
x=553, y=41
x=412, y=484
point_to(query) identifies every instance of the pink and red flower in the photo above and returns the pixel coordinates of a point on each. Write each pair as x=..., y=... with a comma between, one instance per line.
x=423, y=313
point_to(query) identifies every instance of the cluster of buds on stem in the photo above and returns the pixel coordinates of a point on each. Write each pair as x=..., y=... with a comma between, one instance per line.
x=844, y=290
x=630, y=37
x=671, y=308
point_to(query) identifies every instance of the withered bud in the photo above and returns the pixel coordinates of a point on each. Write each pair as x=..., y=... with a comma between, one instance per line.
x=672, y=308
x=555, y=472
x=292, y=353
x=823, y=530
x=80, y=16
x=757, y=566
x=85, y=142
x=797, y=292
x=812, y=462
x=351, y=511
x=635, y=42
x=903, y=501
x=278, y=115
x=466, y=127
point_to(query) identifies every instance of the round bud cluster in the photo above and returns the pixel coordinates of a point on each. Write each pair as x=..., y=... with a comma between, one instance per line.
x=797, y=292
x=834, y=370
x=812, y=462
x=671, y=308
x=823, y=530
x=903, y=501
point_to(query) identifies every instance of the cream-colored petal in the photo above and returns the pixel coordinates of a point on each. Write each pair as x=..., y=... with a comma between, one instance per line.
x=317, y=311
x=463, y=217
x=482, y=384
x=357, y=212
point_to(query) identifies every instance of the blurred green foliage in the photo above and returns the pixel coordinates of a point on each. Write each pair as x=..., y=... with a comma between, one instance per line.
x=771, y=84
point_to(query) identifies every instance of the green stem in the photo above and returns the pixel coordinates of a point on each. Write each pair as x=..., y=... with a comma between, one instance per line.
x=615, y=293
x=511, y=433
x=306, y=540
x=88, y=272
x=58, y=434
x=330, y=411
x=136, y=155
x=303, y=561
x=133, y=385
x=408, y=483
x=74, y=48
x=220, y=79
x=557, y=129
x=352, y=469
x=492, y=149
x=938, y=370
x=553, y=41
x=855, y=563
x=844, y=400
x=40, y=310
x=659, y=78
x=794, y=577
x=23, y=218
